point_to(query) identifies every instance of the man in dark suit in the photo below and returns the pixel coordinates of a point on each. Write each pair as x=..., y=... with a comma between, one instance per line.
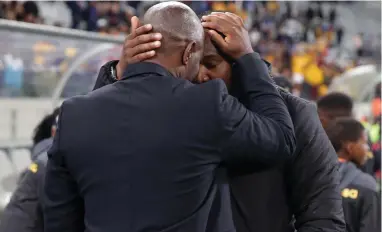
x=141, y=154
x=301, y=194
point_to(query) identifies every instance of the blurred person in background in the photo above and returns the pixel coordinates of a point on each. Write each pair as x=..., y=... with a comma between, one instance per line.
x=376, y=104
x=54, y=13
x=335, y=105
x=13, y=75
x=359, y=190
x=267, y=200
x=90, y=15
x=31, y=13
x=24, y=211
x=77, y=13
x=111, y=18
x=27, y=11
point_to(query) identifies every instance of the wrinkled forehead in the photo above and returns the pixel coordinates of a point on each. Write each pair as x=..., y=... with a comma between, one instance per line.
x=209, y=47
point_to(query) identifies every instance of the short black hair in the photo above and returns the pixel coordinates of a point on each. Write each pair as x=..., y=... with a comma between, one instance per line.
x=44, y=129
x=335, y=101
x=344, y=129
x=30, y=7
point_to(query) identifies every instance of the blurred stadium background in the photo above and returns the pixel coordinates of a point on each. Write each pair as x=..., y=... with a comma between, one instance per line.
x=50, y=51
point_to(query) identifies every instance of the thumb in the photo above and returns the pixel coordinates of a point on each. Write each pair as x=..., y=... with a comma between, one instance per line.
x=134, y=24
x=218, y=39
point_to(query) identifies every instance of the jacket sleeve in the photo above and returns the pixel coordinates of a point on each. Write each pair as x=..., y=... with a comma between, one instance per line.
x=370, y=212
x=312, y=178
x=105, y=76
x=23, y=213
x=263, y=132
x=62, y=205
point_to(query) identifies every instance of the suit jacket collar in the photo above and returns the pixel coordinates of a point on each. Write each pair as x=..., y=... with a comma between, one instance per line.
x=142, y=68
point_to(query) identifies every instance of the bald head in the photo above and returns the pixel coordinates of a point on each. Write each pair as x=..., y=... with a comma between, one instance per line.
x=182, y=36
x=176, y=22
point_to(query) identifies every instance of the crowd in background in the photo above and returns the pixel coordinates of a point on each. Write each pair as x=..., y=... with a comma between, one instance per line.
x=302, y=45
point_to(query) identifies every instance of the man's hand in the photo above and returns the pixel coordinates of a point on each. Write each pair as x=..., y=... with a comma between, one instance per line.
x=138, y=46
x=235, y=41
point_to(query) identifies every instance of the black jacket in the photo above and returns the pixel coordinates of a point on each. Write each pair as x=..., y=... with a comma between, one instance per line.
x=141, y=154
x=372, y=164
x=24, y=213
x=361, y=200
x=306, y=186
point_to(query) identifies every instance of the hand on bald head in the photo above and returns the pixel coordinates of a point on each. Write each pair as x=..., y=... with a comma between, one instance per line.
x=183, y=36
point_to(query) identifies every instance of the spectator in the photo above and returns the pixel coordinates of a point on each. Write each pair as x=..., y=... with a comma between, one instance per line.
x=55, y=12
x=376, y=103
x=91, y=16
x=333, y=15
x=340, y=34
x=31, y=12
x=309, y=15
x=359, y=190
x=332, y=106
x=76, y=13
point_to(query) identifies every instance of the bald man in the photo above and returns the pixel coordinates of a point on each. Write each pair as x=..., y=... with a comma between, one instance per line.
x=142, y=154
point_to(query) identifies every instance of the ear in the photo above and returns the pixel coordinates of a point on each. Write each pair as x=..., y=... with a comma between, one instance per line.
x=348, y=147
x=53, y=131
x=188, y=52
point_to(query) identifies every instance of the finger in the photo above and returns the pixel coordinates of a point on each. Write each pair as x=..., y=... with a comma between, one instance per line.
x=235, y=17
x=142, y=56
x=217, y=38
x=143, y=39
x=222, y=16
x=139, y=22
x=143, y=48
x=215, y=23
x=220, y=19
x=228, y=19
x=211, y=17
x=143, y=29
x=212, y=26
x=216, y=13
x=134, y=24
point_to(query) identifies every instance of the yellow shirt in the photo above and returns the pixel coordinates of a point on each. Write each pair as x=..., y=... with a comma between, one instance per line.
x=298, y=62
x=313, y=75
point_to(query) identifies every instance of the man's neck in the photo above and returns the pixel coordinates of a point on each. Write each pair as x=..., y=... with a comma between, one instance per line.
x=170, y=68
x=342, y=156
